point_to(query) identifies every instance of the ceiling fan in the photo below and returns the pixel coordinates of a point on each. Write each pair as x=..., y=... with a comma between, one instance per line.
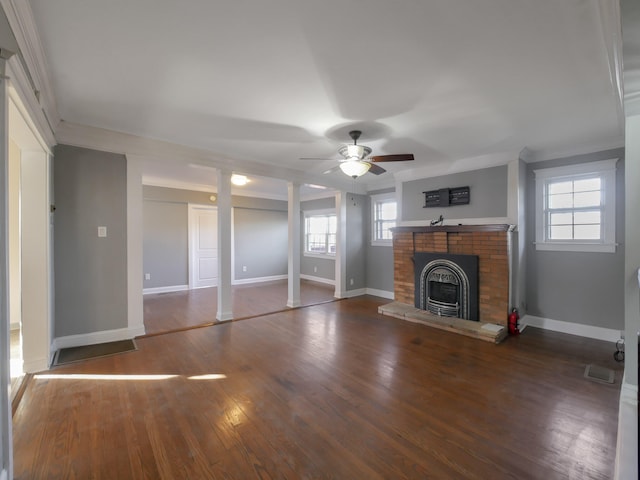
x=355, y=162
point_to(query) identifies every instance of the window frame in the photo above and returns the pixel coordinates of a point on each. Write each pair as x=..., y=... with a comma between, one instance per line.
x=606, y=171
x=330, y=212
x=375, y=201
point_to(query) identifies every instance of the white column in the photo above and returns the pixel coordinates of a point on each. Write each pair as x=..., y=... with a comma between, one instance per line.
x=632, y=250
x=35, y=261
x=293, y=299
x=517, y=178
x=225, y=301
x=6, y=451
x=626, y=464
x=629, y=14
x=135, y=309
x=341, y=245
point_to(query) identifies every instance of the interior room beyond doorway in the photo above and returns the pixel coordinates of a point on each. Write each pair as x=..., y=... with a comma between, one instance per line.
x=166, y=312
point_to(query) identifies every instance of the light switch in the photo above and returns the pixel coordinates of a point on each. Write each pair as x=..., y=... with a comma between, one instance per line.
x=102, y=231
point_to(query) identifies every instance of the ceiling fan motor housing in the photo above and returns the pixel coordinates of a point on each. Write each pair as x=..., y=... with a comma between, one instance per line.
x=354, y=152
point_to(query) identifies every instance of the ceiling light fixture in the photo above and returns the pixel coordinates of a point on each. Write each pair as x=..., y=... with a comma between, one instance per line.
x=355, y=168
x=239, y=180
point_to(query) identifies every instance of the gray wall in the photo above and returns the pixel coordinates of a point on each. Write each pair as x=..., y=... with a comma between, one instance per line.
x=585, y=288
x=316, y=266
x=259, y=224
x=380, y=267
x=487, y=190
x=165, y=243
x=261, y=242
x=379, y=258
x=356, y=268
x=90, y=272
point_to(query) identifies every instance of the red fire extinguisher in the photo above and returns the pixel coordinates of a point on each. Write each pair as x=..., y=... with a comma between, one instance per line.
x=513, y=322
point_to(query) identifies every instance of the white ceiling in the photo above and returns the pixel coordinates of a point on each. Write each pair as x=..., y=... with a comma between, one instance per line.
x=269, y=82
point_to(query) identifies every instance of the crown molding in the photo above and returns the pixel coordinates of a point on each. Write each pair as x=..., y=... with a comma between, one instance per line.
x=22, y=24
x=583, y=149
x=27, y=104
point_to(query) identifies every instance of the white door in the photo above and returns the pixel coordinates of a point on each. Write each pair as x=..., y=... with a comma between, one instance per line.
x=203, y=246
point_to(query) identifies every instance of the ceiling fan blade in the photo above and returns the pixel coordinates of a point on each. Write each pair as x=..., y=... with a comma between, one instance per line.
x=401, y=157
x=317, y=158
x=375, y=169
x=331, y=170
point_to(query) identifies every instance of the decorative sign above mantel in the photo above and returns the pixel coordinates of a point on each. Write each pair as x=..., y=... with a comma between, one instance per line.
x=446, y=197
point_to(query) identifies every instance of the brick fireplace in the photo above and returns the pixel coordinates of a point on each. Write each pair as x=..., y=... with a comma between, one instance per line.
x=490, y=244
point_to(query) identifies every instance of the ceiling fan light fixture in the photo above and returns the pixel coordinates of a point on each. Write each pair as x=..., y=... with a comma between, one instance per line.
x=354, y=168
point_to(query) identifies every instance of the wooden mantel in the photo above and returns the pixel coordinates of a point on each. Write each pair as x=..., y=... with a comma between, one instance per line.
x=454, y=228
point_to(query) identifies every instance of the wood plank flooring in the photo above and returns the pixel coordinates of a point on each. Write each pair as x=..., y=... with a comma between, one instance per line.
x=165, y=312
x=330, y=391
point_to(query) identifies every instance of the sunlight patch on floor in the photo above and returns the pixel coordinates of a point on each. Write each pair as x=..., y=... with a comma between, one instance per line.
x=92, y=376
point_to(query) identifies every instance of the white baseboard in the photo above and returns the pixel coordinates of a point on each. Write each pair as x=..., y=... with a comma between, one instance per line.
x=626, y=462
x=327, y=281
x=589, y=331
x=271, y=278
x=4, y=475
x=14, y=326
x=169, y=289
x=244, y=281
x=380, y=293
x=96, y=337
x=33, y=365
x=352, y=293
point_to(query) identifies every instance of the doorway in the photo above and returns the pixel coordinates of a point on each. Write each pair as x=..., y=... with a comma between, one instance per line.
x=30, y=245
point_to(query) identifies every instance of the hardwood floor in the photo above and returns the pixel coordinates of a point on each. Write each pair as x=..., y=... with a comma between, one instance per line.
x=330, y=391
x=165, y=312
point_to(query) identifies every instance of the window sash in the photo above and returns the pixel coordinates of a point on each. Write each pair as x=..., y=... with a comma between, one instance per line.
x=561, y=197
x=320, y=234
x=580, y=222
x=384, y=218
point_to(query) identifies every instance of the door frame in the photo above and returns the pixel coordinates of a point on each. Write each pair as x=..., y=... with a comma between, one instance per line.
x=36, y=243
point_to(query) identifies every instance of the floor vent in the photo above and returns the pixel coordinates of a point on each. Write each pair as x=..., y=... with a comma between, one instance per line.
x=599, y=374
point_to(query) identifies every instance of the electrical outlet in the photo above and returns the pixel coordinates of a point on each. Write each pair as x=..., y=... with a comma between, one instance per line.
x=147, y=276
x=102, y=232
x=315, y=269
x=351, y=281
x=244, y=268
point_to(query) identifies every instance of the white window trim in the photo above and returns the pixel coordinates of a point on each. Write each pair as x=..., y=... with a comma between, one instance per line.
x=380, y=197
x=607, y=170
x=312, y=213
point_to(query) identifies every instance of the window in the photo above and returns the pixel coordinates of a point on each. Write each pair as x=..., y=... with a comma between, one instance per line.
x=575, y=207
x=320, y=233
x=383, y=215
